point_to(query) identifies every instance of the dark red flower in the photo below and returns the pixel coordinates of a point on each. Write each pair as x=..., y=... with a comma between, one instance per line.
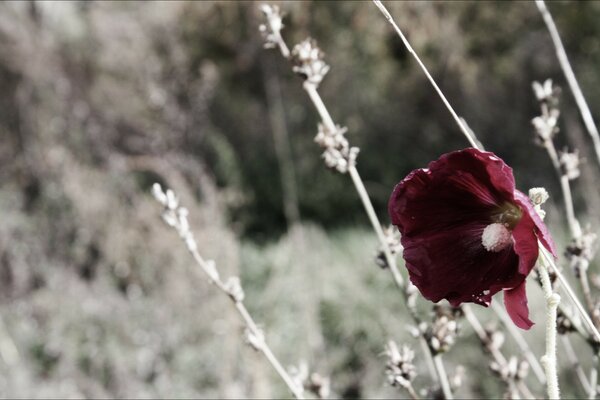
x=467, y=232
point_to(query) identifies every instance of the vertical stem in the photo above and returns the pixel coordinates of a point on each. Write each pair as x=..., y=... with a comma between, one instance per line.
x=439, y=366
x=549, y=359
x=584, y=109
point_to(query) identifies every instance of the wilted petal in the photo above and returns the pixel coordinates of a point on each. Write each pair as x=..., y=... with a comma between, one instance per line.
x=515, y=301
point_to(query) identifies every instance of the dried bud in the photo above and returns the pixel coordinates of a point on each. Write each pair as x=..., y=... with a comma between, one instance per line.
x=442, y=333
x=581, y=251
x=538, y=196
x=569, y=164
x=338, y=154
x=158, y=194
x=399, y=367
x=308, y=61
x=392, y=238
x=271, y=31
x=546, y=125
x=234, y=289
x=546, y=92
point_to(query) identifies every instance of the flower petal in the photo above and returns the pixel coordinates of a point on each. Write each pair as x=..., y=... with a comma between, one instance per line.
x=540, y=228
x=441, y=213
x=525, y=244
x=515, y=301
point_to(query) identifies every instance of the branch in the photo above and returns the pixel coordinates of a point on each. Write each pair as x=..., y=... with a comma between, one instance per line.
x=176, y=217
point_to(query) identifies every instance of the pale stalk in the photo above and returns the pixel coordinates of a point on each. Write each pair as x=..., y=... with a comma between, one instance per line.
x=441, y=371
x=567, y=288
x=563, y=60
x=311, y=90
x=521, y=343
x=495, y=352
x=467, y=132
x=251, y=326
x=463, y=128
x=549, y=359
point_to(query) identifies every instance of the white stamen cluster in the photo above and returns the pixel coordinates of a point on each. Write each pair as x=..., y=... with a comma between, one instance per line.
x=496, y=237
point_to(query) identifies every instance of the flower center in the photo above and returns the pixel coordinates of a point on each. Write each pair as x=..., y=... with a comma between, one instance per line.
x=496, y=237
x=508, y=214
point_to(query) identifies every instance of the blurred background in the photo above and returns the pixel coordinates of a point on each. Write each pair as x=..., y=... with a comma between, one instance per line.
x=99, y=100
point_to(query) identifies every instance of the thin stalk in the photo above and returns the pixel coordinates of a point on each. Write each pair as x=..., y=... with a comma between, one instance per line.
x=441, y=371
x=521, y=342
x=176, y=217
x=567, y=288
x=549, y=359
x=563, y=60
x=262, y=345
x=494, y=351
x=463, y=128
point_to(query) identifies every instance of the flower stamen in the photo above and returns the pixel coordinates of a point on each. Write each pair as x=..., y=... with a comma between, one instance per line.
x=496, y=237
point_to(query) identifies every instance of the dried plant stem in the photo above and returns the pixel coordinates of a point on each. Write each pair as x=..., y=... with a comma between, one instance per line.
x=494, y=351
x=176, y=217
x=464, y=129
x=316, y=99
x=260, y=344
x=521, y=342
x=549, y=359
x=570, y=76
x=441, y=371
x=311, y=90
x=567, y=288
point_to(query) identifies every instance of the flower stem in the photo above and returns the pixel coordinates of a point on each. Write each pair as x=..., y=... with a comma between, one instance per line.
x=462, y=126
x=570, y=75
x=549, y=359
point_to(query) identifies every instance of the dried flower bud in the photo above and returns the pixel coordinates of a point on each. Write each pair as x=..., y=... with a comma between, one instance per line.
x=442, y=333
x=581, y=251
x=234, y=289
x=399, y=367
x=546, y=92
x=569, y=164
x=538, y=196
x=546, y=125
x=308, y=61
x=158, y=194
x=271, y=31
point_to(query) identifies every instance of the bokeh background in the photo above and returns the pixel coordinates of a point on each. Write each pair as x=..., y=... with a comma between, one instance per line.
x=98, y=100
